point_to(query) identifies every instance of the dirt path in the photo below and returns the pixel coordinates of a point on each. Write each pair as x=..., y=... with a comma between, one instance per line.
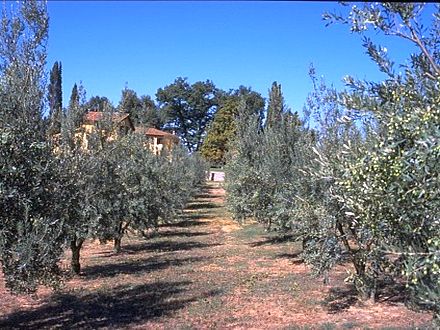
x=202, y=272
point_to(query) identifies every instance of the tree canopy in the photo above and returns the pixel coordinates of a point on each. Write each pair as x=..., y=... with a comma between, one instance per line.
x=189, y=109
x=221, y=132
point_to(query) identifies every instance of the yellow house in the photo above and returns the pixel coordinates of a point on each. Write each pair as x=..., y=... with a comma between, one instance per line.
x=116, y=126
x=158, y=140
x=120, y=123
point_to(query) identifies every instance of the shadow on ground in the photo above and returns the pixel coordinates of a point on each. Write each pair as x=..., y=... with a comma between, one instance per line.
x=164, y=246
x=279, y=239
x=138, y=266
x=120, y=306
x=197, y=216
x=339, y=299
x=204, y=195
x=202, y=205
x=392, y=293
x=178, y=234
x=184, y=223
x=295, y=258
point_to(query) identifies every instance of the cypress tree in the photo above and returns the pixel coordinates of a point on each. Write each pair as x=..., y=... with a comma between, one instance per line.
x=276, y=106
x=55, y=99
x=74, y=109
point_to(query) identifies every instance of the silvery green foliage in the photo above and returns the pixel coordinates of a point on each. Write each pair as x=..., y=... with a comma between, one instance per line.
x=319, y=217
x=241, y=172
x=78, y=176
x=139, y=190
x=31, y=229
x=53, y=194
x=260, y=170
x=392, y=190
x=118, y=184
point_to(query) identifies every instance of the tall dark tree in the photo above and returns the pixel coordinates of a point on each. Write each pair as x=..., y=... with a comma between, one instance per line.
x=98, y=103
x=142, y=109
x=222, y=130
x=276, y=106
x=189, y=108
x=74, y=97
x=253, y=102
x=131, y=103
x=55, y=99
x=151, y=115
x=75, y=111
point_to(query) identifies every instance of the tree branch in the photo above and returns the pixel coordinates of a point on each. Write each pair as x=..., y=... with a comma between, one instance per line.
x=419, y=42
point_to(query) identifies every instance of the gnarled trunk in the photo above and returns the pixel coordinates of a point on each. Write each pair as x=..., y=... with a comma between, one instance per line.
x=436, y=319
x=117, y=244
x=120, y=230
x=75, y=247
x=366, y=284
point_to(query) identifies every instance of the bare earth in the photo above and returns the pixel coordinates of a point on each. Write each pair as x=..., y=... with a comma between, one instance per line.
x=204, y=272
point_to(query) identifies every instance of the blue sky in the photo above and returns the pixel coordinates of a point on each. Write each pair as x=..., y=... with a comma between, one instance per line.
x=145, y=45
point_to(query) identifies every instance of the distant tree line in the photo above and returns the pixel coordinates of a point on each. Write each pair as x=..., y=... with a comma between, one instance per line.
x=193, y=112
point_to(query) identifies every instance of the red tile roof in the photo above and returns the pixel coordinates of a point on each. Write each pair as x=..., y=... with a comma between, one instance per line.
x=98, y=115
x=151, y=131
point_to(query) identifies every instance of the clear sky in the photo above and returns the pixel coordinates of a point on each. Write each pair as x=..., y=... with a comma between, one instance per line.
x=145, y=45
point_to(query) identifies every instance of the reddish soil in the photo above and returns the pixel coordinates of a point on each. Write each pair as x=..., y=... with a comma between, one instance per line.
x=203, y=272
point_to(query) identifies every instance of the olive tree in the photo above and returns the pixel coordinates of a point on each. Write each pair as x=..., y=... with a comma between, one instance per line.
x=31, y=228
x=319, y=217
x=392, y=189
x=78, y=176
x=260, y=170
x=139, y=190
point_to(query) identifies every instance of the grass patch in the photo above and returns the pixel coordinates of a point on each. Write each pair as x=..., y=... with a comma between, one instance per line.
x=249, y=232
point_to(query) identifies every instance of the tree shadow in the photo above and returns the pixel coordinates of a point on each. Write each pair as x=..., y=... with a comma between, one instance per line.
x=204, y=195
x=295, y=257
x=388, y=291
x=139, y=266
x=121, y=306
x=392, y=292
x=273, y=240
x=340, y=299
x=197, y=216
x=178, y=234
x=184, y=223
x=164, y=246
x=202, y=205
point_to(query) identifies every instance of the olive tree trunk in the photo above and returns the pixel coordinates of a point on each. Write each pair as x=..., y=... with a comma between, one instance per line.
x=75, y=247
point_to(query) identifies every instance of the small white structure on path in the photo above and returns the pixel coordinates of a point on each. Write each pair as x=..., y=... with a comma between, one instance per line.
x=216, y=176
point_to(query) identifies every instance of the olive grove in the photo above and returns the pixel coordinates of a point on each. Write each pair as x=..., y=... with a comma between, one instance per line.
x=54, y=194
x=358, y=179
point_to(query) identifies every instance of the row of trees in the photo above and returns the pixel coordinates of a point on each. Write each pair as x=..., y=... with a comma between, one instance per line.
x=356, y=179
x=53, y=200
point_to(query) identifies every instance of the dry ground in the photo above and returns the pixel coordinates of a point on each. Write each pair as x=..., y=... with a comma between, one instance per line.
x=204, y=272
